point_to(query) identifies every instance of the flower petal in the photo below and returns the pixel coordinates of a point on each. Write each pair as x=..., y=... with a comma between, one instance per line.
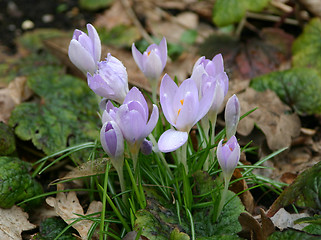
x=171, y=140
x=80, y=57
x=153, y=66
x=138, y=57
x=93, y=35
x=100, y=86
x=168, y=89
x=152, y=121
x=163, y=51
x=135, y=95
x=188, y=112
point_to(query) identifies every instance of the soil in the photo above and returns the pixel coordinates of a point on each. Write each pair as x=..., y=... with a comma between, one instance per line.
x=18, y=16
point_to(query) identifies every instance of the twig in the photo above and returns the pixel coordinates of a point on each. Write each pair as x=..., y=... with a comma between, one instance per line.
x=136, y=22
x=282, y=6
x=272, y=18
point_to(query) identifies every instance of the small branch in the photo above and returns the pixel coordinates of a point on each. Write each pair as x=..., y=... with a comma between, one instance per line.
x=272, y=18
x=135, y=20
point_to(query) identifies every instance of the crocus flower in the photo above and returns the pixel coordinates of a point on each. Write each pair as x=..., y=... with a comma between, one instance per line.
x=228, y=156
x=110, y=80
x=112, y=140
x=213, y=68
x=183, y=109
x=153, y=60
x=85, y=50
x=132, y=119
x=232, y=115
x=152, y=63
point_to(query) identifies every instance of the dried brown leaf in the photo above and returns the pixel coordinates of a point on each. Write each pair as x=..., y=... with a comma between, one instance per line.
x=12, y=222
x=67, y=206
x=282, y=219
x=255, y=230
x=272, y=116
x=16, y=92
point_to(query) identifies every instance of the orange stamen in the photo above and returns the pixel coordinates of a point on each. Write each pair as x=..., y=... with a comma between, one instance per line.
x=182, y=101
x=148, y=53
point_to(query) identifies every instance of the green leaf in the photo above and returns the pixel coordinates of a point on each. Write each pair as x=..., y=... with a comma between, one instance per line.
x=305, y=191
x=159, y=219
x=298, y=87
x=7, y=140
x=291, y=234
x=15, y=182
x=65, y=115
x=52, y=227
x=313, y=229
x=227, y=223
x=121, y=35
x=307, y=47
x=177, y=235
x=226, y=12
x=93, y=5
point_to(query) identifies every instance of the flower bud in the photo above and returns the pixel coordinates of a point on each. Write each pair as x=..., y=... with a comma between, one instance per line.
x=112, y=140
x=85, y=50
x=228, y=156
x=232, y=115
x=146, y=147
x=110, y=80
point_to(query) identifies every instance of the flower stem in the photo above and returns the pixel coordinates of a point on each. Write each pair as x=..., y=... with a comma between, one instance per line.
x=118, y=165
x=223, y=198
x=102, y=217
x=182, y=157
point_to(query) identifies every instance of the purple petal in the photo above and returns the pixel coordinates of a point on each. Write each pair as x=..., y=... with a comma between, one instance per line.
x=100, y=86
x=188, y=113
x=163, y=51
x=80, y=57
x=135, y=95
x=168, y=90
x=232, y=115
x=112, y=139
x=152, y=121
x=153, y=66
x=138, y=57
x=205, y=102
x=93, y=35
x=171, y=140
x=135, y=105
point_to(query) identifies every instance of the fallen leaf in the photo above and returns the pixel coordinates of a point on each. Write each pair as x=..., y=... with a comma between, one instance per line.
x=11, y=96
x=12, y=222
x=253, y=229
x=272, y=117
x=283, y=219
x=67, y=206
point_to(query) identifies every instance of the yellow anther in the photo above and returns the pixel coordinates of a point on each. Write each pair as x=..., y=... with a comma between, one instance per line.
x=148, y=53
x=182, y=101
x=179, y=110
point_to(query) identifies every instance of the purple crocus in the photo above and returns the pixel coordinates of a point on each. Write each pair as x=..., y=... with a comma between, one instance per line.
x=153, y=60
x=111, y=139
x=232, y=115
x=228, y=156
x=132, y=119
x=85, y=50
x=213, y=68
x=110, y=80
x=183, y=109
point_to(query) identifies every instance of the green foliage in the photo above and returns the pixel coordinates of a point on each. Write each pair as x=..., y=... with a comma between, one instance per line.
x=120, y=35
x=65, y=115
x=159, y=219
x=227, y=223
x=306, y=48
x=93, y=5
x=313, y=229
x=291, y=234
x=34, y=40
x=15, y=182
x=7, y=140
x=305, y=191
x=189, y=36
x=298, y=87
x=226, y=12
x=52, y=227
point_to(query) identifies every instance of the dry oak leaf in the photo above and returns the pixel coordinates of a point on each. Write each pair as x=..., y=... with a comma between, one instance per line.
x=273, y=117
x=12, y=222
x=67, y=206
x=16, y=92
